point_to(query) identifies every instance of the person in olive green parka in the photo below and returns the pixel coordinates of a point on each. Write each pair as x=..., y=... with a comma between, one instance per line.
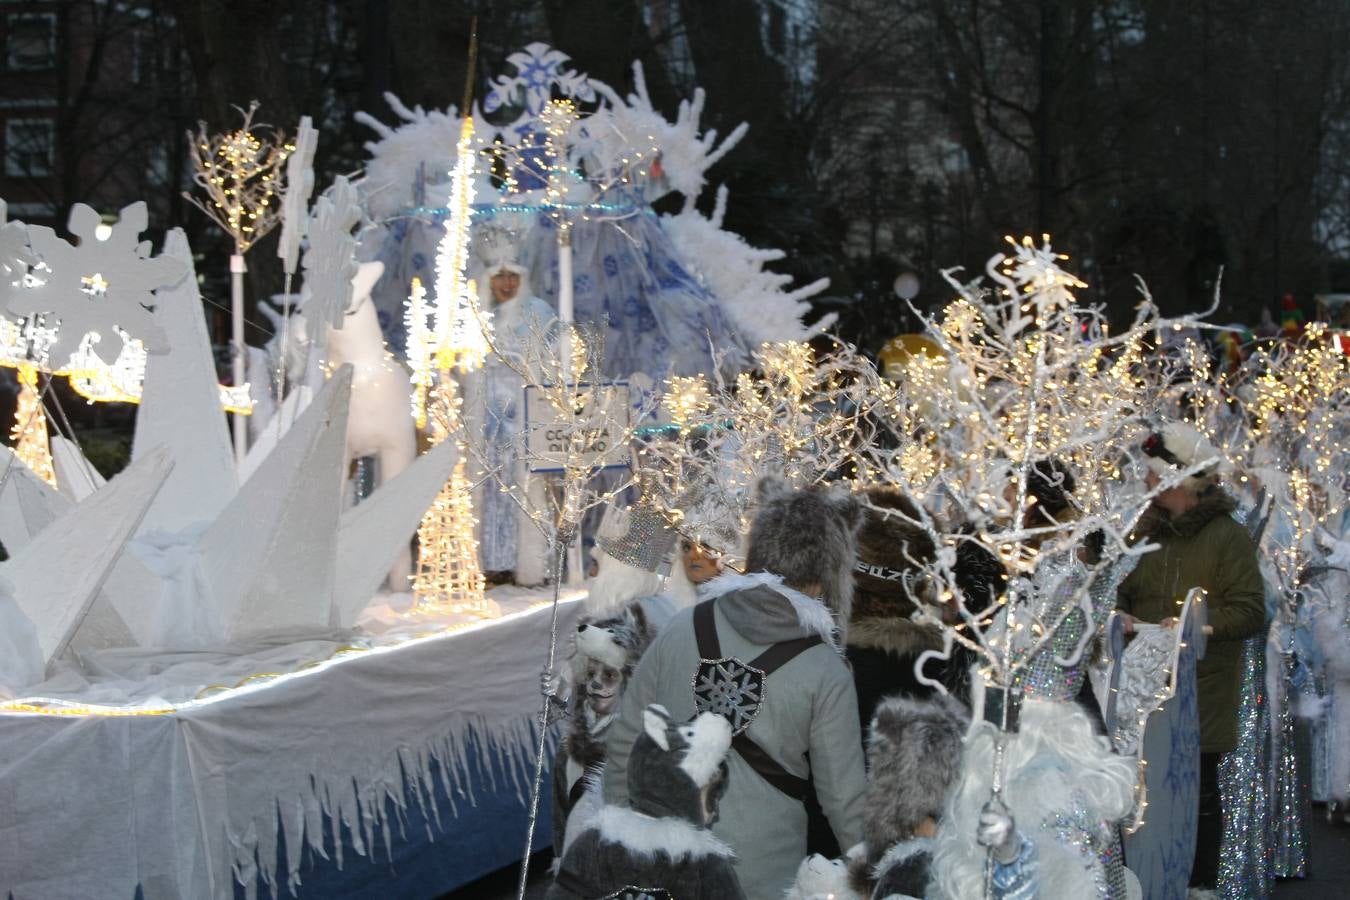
x=1200, y=545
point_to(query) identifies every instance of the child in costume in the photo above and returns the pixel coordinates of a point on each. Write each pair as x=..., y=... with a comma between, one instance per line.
x=914, y=758
x=658, y=847
x=607, y=651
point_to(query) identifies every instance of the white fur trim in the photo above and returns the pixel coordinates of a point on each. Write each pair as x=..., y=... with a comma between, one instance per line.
x=647, y=836
x=597, y=643
x=616, y=584
x=655, y=725
x=813, y=614
x=709, y=740
x=900, y=852
x=1191, y=448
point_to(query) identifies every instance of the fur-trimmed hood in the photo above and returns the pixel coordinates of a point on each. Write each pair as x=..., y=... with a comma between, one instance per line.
x=764, y=610
x=899, y=636
x=1157, y=523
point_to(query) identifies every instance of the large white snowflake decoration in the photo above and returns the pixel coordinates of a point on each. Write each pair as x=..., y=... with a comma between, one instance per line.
x=539, y=68
x=330, y=263
x=731, y=689
x=101, y=286
x=611, y=135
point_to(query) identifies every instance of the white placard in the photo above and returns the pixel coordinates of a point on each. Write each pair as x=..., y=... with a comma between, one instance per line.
x=603, y=409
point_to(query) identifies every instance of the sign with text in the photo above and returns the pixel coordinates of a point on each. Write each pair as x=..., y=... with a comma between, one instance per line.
x=592, y=434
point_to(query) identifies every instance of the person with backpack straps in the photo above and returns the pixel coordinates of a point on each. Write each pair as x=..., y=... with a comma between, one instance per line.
x=764, y=649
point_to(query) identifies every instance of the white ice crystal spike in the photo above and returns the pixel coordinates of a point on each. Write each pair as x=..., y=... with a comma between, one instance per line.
x=269, y=557
x=76, y=478
x=375, y=531
x=96, y=285
x=180, y=407
x=58, y=574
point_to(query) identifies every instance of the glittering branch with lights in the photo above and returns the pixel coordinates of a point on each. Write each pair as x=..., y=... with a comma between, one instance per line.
x=242, y=173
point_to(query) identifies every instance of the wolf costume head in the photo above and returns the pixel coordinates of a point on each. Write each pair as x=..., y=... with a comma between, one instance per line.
x=807, y=536
x=659, y=845
x=607, y=651
x=914, y=758
x=679, y=769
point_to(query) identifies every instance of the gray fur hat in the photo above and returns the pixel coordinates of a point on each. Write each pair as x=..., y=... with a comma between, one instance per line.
x=807, y=536
x=914, y=757
x=618, y=640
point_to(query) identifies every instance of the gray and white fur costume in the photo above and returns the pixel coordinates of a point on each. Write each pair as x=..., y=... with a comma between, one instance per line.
x=914, y=758
x=1065, y=789
x=607, y=651
x=659, y=846
x=805, y=718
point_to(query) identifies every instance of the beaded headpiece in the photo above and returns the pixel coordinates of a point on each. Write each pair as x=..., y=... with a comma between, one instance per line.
x=497, y=247
x=639, y=537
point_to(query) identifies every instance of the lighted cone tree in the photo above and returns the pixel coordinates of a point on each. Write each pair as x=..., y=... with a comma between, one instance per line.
x=29, y=432
x=443, y=339
x=448, y=574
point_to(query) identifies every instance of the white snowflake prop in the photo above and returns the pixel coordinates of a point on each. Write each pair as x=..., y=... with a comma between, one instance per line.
x=100, y=287
x=295, y=203
x=330, y=263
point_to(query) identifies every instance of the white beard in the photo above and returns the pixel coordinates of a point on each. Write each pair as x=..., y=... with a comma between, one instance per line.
x=616, y=585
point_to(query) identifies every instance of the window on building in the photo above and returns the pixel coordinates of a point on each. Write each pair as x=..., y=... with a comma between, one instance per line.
x=29, y=148
x=30, y=41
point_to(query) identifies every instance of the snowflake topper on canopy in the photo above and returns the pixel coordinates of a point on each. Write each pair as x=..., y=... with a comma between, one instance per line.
x=99, y=286
x=539, y=69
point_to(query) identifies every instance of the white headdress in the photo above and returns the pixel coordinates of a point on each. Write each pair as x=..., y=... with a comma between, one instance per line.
x=496, y=247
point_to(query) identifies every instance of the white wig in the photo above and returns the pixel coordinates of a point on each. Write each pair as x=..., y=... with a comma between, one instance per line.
x=1055, y=761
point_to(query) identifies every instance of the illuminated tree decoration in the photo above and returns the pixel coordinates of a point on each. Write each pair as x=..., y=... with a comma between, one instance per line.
x=450, y=335
x=29, y=432
x=241, y=174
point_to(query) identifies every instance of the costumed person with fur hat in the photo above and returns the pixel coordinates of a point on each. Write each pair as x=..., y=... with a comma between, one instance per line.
x=508, y=541
x=607, y=650
x=659, y=845
x=765, y=653
x=1200, y=546
x=884, y=642
x=913, y=758
x=623, y=611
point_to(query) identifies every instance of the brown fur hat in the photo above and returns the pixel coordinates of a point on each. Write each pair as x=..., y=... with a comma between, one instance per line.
x=889, y=547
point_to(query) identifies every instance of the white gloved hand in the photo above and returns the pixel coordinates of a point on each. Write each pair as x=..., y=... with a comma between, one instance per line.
x=998, y=831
